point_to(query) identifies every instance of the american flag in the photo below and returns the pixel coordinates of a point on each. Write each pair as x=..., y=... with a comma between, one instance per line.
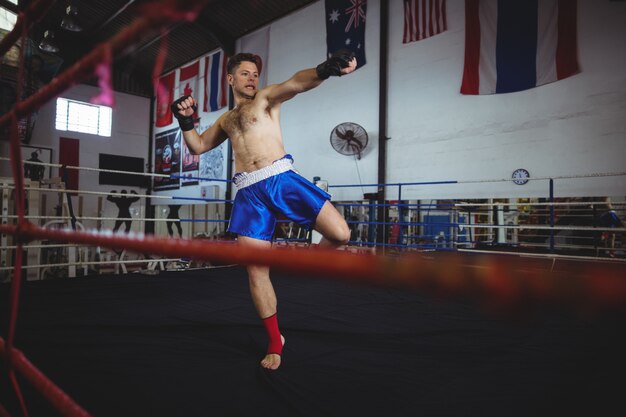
x=423, y=19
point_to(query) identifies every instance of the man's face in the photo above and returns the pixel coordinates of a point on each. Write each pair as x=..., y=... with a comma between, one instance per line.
x=245, y=79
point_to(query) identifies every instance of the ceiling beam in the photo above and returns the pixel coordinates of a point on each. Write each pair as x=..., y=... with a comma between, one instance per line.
x=215, y=31
x=114, y=15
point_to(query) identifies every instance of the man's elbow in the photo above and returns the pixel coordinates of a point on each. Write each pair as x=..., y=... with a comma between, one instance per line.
x=194, y=147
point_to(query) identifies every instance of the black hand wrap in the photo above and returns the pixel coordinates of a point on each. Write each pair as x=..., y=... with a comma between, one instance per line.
x=185, y=122
x=333, y=65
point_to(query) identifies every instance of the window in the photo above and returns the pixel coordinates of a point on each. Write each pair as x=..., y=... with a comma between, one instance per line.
x=7, y=17
x=78, y=116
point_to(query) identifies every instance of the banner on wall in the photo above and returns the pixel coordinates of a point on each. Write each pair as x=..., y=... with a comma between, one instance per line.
x=345, y=27
x=167, y=159
x=165, y=96
x=423, y=19
x=517, y=45
x=213, y=164
x=191, y=165
x=215, y=82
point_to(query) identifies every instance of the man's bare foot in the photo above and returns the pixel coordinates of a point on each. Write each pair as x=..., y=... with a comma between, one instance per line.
x=272, y=360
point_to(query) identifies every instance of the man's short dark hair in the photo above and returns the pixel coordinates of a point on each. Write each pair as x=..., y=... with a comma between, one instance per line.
x=235, y=60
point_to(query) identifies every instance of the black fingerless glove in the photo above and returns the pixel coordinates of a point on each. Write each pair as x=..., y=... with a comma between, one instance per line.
x=333, y=65
x=185, y=122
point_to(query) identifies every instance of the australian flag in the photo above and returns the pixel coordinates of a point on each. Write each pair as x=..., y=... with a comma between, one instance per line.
x=345, y=27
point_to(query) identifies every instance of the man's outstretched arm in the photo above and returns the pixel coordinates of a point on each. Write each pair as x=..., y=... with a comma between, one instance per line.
x=340, y=63
x=183, y=110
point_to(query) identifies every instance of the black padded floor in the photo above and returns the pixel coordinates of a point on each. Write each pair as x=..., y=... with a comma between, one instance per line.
x=188, y=344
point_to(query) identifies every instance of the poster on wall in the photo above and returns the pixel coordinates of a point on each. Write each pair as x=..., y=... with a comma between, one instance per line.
x=37, y=154
x=212, y=164
x=191, y=164
x=167, y=159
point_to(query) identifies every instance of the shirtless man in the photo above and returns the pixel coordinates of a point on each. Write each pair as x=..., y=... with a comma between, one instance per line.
x=265, y=180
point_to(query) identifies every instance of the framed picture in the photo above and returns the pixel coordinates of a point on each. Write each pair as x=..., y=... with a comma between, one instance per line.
x=36, y=172
x=167, y=159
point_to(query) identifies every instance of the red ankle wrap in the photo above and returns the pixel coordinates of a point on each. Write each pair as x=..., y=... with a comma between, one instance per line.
x=271, y=327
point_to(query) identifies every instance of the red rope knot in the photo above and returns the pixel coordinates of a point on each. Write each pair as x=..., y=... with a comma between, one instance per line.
x=23, y=231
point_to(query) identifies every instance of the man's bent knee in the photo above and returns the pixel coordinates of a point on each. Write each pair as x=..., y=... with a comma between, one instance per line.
x=340, y=236
x=344, y=236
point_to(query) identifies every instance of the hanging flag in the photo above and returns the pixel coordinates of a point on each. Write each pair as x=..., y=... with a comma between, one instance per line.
x=516, y=45
x=423, y=19
x=215, y=82
x=189, y=82
x=165, y=96
x=345, y=27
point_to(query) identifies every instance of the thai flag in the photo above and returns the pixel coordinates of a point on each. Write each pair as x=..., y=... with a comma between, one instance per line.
x=516, y=45
x=215, y=82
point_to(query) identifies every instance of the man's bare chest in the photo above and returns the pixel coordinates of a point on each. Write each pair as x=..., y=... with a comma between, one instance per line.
x=241, y=120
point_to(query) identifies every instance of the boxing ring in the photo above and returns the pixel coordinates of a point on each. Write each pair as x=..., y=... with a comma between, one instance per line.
x=437, y=332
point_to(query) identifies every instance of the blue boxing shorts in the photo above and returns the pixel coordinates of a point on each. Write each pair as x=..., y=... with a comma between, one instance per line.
x=272, y=190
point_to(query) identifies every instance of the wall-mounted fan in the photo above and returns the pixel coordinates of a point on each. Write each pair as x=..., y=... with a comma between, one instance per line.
x=349, y=139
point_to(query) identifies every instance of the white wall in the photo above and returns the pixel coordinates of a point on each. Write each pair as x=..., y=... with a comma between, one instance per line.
x=129, y=137
x=309, y=118
x=572, y=127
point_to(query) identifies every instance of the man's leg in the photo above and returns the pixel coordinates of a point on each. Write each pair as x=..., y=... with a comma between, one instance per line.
x=264, y=299
x=333, y=227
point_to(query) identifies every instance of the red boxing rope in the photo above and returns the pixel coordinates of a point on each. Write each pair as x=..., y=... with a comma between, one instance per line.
x=155, y=17
x=59, y=399
x=501, y=281
x=16, y=165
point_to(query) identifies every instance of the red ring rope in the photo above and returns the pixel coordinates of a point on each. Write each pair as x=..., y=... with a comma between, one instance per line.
x=59, y=399
x=155, y=17
x=507, y=281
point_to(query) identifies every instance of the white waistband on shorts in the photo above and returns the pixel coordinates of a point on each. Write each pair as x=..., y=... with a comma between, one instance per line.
x=244, y=179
